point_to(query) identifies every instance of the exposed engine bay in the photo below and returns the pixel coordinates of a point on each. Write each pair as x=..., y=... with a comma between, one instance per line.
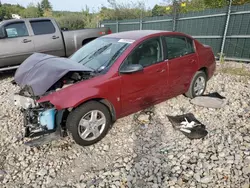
x=43, y=118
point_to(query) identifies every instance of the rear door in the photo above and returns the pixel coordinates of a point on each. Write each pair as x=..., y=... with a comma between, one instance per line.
x=47, y=37
x=182, y=63
x=17, y=46
x=142, y=89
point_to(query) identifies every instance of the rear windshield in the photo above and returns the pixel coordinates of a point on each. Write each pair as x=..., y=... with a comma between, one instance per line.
x=100, y=53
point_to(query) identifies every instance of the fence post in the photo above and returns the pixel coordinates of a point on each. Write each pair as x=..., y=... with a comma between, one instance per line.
x=175, y=4
x=225, y=31
x=117, y=26
x=140, y=23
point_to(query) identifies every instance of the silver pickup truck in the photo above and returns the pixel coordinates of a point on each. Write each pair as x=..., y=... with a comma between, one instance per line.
x=20, y=38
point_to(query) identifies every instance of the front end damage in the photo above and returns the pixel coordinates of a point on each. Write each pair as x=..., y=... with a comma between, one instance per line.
x=41, y=121
x=39, y=76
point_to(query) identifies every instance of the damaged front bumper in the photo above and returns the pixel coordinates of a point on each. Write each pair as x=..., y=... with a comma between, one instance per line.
x=38, y=119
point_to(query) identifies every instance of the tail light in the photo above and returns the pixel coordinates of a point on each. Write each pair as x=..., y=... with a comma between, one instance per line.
x=109, y=31
x=103, y=32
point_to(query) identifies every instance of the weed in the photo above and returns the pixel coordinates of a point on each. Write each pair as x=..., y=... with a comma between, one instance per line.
x=236, y=71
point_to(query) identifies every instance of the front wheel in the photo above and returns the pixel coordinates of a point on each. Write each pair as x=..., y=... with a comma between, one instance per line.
x=89, y=123
x=198, y=85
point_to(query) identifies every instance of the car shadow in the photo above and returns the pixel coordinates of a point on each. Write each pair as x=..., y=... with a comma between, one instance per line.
x=7, y=74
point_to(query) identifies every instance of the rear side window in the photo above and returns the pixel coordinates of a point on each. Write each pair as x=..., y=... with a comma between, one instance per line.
x=16, y=30
x=178, y=46
x=42, y=27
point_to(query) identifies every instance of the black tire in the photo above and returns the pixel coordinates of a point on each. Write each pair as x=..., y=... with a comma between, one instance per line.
x=191, y=93
x=76, y=115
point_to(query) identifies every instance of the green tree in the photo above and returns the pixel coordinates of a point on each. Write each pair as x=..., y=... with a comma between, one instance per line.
x=88, y=17
x=30, y=12
x=46, y=5
x=40, y=10
x=215, y=3
x=1, y=11
x=128, y=10
x=222, y=3
x=74, y=21
x=159, y=10
x=6, y=10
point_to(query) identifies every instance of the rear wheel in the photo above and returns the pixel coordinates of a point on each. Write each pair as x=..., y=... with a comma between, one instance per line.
x=89, y=123
x=198, y=85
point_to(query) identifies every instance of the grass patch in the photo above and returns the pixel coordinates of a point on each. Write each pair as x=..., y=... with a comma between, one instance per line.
x=241, y=71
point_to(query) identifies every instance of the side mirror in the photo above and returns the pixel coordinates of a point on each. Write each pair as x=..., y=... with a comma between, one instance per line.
x=132, y=68
x=2, y=33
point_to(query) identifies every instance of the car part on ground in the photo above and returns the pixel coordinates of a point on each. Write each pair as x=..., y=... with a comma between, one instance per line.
x=215, y=94
x=188, y=125
x=45, y=139
x=213, y=100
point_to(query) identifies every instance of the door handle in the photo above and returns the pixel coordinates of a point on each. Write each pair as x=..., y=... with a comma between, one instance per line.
x=26, y=41
x=55, y=37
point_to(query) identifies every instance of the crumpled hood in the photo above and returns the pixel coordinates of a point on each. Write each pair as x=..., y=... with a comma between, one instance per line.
x=41, y=71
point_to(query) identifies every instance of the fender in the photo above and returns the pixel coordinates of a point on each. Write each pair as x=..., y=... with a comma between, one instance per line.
x=74, y=95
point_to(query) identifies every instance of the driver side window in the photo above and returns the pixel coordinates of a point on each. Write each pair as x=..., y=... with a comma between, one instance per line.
x=146, y=54
x=16, y=30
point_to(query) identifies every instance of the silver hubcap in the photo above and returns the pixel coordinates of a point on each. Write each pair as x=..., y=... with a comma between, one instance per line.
x=91, y=125
x=199, y=85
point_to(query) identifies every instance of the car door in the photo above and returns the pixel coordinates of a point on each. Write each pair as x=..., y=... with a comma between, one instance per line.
x=47, y=37
x=144, y=88
x=182, y=64
x=17, y=45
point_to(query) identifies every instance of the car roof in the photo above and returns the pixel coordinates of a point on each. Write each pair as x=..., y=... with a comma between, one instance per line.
x=135, y=35
x=24, y=19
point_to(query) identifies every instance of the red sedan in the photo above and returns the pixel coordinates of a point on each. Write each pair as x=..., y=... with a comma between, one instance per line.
x=124, y=73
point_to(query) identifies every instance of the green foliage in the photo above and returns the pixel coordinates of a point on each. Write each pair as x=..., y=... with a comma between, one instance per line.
x=46, y=5
x=6, y=10
x=215, y=3
x=222, y=58
x=30, y=12
x=159, y=10
x=40, y=10
x=73, y=21
x=122, y=11
x=90, y=19
x=222, y=3
x=190, y=6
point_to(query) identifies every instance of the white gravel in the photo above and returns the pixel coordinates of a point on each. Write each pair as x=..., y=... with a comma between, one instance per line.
x=140, y=150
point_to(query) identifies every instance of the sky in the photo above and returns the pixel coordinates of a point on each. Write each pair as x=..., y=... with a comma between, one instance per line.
x=78, y=5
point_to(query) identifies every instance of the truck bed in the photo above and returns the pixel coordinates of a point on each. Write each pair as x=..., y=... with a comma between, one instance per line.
x=75, y=39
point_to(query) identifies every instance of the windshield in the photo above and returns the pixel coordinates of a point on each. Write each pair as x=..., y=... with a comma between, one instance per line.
x=100, y=53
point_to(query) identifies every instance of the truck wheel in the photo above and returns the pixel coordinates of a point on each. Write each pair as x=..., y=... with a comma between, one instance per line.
x=198, y=85
x=89, y=123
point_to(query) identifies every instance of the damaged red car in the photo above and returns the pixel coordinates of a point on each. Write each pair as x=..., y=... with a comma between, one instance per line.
x=109, y=78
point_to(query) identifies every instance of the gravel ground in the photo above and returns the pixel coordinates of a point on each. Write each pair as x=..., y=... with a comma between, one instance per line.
x=135, y=154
